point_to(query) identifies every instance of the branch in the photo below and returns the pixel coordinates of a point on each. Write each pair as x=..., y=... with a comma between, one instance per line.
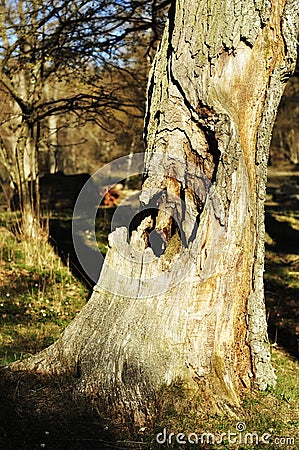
x=80, y=102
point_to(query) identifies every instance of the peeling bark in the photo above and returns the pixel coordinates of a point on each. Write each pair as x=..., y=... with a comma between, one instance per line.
x=180, y=295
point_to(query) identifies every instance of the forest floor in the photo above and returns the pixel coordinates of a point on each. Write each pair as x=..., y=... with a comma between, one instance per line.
x=39, y=295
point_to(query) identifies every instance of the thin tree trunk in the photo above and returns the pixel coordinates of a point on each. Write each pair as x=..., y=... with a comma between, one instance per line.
x=26, y=167
x=195, y=310
x=52, y=140
x=26, y=156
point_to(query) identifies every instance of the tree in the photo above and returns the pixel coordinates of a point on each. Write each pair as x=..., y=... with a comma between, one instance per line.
x=285, y=144
x=192, y=307
x=43, y=43
x=100, y=138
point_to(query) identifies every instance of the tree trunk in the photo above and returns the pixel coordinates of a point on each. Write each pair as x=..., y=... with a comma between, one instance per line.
x=25, y=149
x=27, y=184
x=285, y=139
x=181, y=295
x=52, y=141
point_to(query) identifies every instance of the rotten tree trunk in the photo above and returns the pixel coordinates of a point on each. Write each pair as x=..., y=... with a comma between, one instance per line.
x=181, y=295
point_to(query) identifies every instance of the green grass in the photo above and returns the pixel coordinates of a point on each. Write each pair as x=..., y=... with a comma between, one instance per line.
x=38, y=297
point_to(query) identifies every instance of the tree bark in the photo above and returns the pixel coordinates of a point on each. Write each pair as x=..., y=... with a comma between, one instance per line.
x=192, y=309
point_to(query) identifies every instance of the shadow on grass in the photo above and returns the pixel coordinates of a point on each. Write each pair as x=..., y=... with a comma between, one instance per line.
x=60, y=230
x=283, y=316
x=285, y=237
x=41, y=412
x=282, y=282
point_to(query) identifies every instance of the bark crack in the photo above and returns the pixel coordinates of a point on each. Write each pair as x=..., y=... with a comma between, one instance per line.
x=159, y=221
x=205, y=118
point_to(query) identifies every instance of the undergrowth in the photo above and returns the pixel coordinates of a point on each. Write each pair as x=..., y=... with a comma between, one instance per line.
x=38, y=297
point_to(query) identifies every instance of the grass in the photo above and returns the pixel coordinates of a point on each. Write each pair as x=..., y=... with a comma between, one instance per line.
x=39, y=296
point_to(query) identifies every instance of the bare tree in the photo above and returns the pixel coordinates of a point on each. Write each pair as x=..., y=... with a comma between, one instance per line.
x=46, y=42
x=191, y=308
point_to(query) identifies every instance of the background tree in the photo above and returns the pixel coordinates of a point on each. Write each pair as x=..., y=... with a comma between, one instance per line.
x=285, y=142
x=194, y=311
x=44, y=43
x=89, y=138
